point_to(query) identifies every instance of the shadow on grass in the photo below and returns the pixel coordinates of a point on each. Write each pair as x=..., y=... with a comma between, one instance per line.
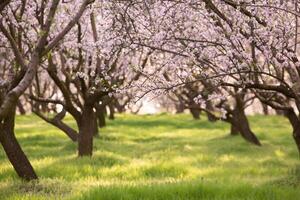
x=35, y=190
x=140, y=122
x=292, y=179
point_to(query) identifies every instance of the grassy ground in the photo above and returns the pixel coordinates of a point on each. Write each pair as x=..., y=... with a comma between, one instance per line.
x=158, y=157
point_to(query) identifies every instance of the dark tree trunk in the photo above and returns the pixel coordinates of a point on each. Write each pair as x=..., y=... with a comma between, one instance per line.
x=86, y=132
x=234, y=130
x=120, y=107
x=265, y=109
x=179, y=108
x=21, y=108
x=241, y=122
x=210, y=116
x=296, y=136
x=95, y=125
x=13, y=150
x=195, y=113
x=295, y=122
x=100, y=112
x=111, y=111
x=101, y=120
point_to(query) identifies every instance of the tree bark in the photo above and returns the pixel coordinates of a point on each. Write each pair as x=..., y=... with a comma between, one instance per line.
x=195, y=113
x=86, y=132
x=100, y=112
x=21, y=108
x=71, y=133
x=234, y=130
x=295, y=122
x=265, y=109
x=120, y=107
x=179, y=108
x=13, y=150
x=210, y=116
x=95, y=124
x=111, y=111
x=240, y=120
x=57, y=122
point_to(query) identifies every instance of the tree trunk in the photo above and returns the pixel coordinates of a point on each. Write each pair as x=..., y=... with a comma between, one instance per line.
x=100, y=112
x=13, y=150
x=241, y=122
x=57, y=122
x=195, y=113
x=179, y=108
x=295, y=122
x=296, y=136
x=95, y=125
x=210, y=116
x=120, y=107
x=265, y=109
x=21, y=108
x=71, y=133
x=86, y=132
x=234, y=130
x=111, y=111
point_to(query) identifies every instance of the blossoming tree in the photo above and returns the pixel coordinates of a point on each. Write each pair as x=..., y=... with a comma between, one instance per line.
x=28, y=46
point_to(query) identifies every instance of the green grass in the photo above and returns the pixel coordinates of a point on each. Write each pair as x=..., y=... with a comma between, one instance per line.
x=158, y=157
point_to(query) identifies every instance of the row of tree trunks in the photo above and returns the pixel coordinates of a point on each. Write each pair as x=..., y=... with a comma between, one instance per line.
x=13, y=150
